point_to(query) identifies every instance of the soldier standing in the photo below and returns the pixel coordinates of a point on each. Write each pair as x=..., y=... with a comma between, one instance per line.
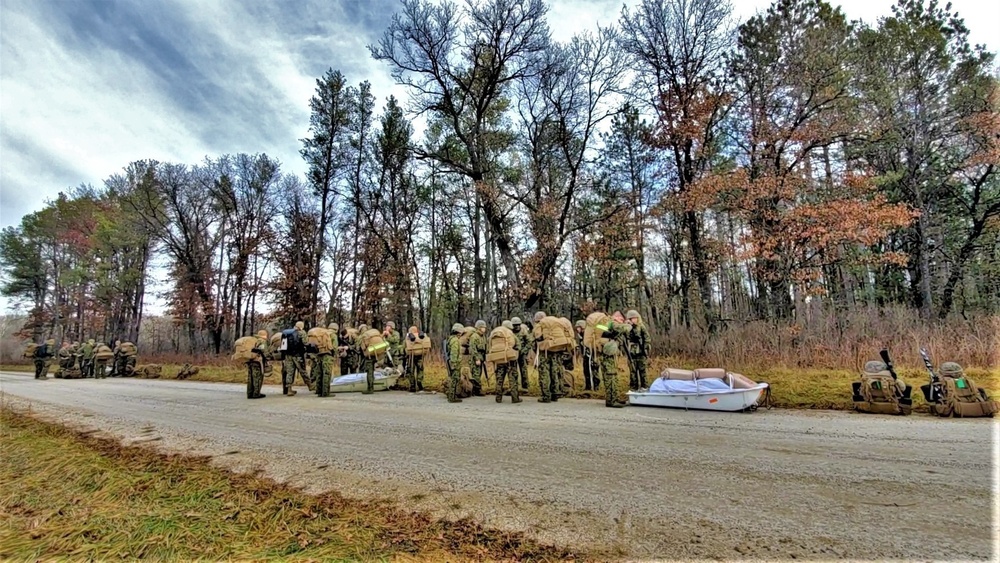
x=616, y=333
x=415, y=364
x=255, y=367
x=638, y=349
x=507, y=371
x=477, y=357
x=524, y=344
x=395, y=342
x=590, y=380
x=294, y=358
x=322, y=369
x=43, y=356
x=546, y=365
x=87, y=359
x=453, y=355
x=116, y=358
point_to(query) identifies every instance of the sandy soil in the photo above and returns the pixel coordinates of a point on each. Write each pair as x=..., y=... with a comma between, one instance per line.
x=633, y=483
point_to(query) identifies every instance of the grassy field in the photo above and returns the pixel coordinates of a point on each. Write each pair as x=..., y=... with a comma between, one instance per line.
x=790, y=388
x=69, y=495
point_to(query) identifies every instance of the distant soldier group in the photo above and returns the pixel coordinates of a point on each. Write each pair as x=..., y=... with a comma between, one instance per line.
x=78, y=360
x=467, y=352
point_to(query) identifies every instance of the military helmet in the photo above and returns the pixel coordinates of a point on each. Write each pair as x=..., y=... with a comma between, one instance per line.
x=390, y=324
x=515, y=321
x=581, y=324
x=539, y=316
x=262, y=334
x=362, y=328
x=334, y=327
x=300, y=325
x=90, y=341
x=874, y=366
x=951, y=369
x=632, y=314
x=414, y=330
x=508, y=325
x=480, y=324
x=457, y=327
x=50, y=342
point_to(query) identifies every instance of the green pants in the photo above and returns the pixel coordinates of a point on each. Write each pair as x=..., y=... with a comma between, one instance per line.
x=415, y=369
x=547, y=366
x=292, y=365
x=100, y=369
x=368, y=366
x=508, y=372
x=451, y=387
x=637, y=377
x=255, y=379
x=322, y=373
x=609, y=366
x=41, y=368
x=522, y=370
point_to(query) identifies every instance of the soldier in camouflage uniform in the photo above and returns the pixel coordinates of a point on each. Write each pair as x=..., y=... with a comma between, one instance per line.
x=415, y=364
x=548, y=365
x=638, y=349
x=43, y=357
x=617, y=334
x=343, y=350
x=524, y=344
x=395, y=342
x=507, y=371
x=590, y=379
x=477, y=358
x=367, y=365
x=322, y=372
x=87, y=359
x=454, y=359
x=255, y=367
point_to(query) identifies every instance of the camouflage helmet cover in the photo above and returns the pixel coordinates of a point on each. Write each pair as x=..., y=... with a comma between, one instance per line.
x=581, y=324
x=480, y=324
x=951, y=369
x=515, y=321
x=875, y=366
x=390, y=324
x=50, y=342
x=300, y=325
x=362, y=328
x=262, y=334
x=632, y=314
x=333, y=326
x=539, y=316
x=457, y=327
x=508, y=325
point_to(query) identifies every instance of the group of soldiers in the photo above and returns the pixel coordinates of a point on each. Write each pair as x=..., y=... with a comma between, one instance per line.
x=86, y=359
x=315, y=366
x=626, y=334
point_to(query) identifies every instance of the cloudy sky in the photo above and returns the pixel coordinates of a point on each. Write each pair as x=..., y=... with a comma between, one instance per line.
x=87, y=86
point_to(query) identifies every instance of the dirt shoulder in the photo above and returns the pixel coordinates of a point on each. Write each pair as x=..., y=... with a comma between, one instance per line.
x=630, y=483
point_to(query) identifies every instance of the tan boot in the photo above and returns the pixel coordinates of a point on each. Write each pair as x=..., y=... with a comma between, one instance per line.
x=291, y=392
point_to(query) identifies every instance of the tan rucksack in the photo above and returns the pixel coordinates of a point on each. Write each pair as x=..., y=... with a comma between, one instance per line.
x=30, y=349
x=961, y=398
x=502, y=346
x=463, y=339
x=127, y=349
x=243, y=349
x=593, y=332
x=879, y=393
x=373, y=344
x=103, y=353
x=418, y=346
x=321, y=339
x=555, y=335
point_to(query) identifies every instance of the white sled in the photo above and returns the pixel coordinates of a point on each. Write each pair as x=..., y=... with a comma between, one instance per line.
x=719, y=392
x=357, y=382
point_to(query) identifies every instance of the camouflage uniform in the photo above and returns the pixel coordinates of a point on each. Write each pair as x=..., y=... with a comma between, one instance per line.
x=100, y=368
x=415, y=364
x=547, y=365
x=616, y=333
x=395, y=342
x=366, y=363
x=343, y=350
x=638, y=349
x=293, y=363
x=477, y=357
x=590, y=379
x=43, y=357
x=507, y=371
x=87, y=359
x=524, y=345
x=454, y=359
x=66, y=358
x=255, y=367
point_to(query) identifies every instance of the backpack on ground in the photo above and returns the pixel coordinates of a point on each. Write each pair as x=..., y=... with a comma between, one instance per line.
x=372, y=343
x=593, y=332
x=463, y=339
x=128, y=349
x=960, y=397
x=879, y=393
x=243, y=349
x=103, y=352
x=320, y=339
x=418, y=346
x=291, y=342
x=30, y=350
x=502, y=346
x=555, y=335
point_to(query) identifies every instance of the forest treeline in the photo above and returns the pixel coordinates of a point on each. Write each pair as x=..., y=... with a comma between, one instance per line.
x=795, y=171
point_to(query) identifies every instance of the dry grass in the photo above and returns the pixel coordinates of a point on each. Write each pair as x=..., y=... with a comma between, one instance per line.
x=69, y=495
x=795, y=388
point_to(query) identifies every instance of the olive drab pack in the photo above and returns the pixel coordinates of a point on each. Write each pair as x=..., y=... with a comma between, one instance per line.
x=418, y=346
x=243, y=349
x=30, y=349
x=502, y=346
x=320, y=339
x=128, y=349
x=877, y=392
x=593, y=332
x=373, y=344
x=960, y=397
x=554, y=335
x=103, y=352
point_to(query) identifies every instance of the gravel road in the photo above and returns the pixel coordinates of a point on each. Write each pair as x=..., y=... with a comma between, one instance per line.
x=633, y=483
